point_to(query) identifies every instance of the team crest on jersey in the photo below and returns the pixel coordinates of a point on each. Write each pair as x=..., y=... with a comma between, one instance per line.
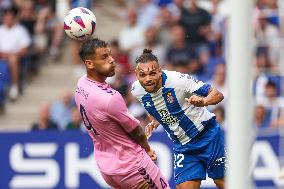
x=170, y=98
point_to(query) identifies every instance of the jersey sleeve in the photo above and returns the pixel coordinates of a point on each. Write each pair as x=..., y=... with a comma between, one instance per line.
x=193, y=85
x=118, y=111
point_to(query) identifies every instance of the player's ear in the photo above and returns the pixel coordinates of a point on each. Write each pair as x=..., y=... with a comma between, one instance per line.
x=136, y=70
x=160, y=68
x=89, y=64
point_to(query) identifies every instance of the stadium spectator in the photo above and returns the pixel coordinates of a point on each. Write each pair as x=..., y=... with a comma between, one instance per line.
x=60, y=111
x=267, y=35
x=207, y=63
x=219, y=112
x=48, y=25
x=14, y=45
x=28, y=16
x=217, y=23
x=132, y=35
x=179, y=54
x=272, y=102
x=262, y=63
x=152, y=42
x=261, y=116
x=219, y=79
x=196, y=22
x=44, y=122
x=120, y=57
x=270, y=9
x=119, y=82
x=165, y=22
x=76, y=122
x=147, y=13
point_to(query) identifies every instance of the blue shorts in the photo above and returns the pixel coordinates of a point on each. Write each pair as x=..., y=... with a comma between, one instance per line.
x=207, y=157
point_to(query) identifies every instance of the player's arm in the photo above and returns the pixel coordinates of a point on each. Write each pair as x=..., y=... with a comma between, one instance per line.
x=203, y=94
x=213, y=97
x=118, y=111
x=138, y=135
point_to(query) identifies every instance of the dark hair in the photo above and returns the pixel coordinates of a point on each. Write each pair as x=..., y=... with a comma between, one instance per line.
x=146, y=56
x=12, y=10
x=271, y=84
x=89, y=47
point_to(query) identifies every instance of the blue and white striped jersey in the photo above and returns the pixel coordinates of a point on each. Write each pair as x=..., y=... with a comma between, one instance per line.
x=182, y=121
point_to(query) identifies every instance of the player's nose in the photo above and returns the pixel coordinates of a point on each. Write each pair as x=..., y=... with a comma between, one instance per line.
x=149, y=80
x=111, y=60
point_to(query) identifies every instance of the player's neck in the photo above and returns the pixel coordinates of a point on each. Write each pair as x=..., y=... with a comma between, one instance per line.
x=96, y=78
x=160, y=84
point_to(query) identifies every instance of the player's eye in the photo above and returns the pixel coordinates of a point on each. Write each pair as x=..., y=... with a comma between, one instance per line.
x=153, y=73
x=104, y=56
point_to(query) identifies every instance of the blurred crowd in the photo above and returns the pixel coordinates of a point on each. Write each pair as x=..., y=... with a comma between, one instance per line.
x=189, y=36
x=30, y=32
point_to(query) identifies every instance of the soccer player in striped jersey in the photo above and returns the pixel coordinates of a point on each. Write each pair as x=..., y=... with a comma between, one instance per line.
x=121, y=149
x=178, y=103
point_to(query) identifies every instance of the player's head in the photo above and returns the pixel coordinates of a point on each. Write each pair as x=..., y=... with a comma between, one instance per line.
x=96, y=55
x=148, y=71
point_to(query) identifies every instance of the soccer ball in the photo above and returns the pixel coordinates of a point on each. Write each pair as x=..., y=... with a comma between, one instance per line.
x=80, y=23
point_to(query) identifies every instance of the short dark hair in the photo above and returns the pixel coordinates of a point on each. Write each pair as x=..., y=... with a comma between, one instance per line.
x=13, y=10
x=271, y=84
x=146, y=56
x=89, y=47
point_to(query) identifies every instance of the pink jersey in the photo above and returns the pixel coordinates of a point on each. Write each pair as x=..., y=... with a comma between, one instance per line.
x=105, y=114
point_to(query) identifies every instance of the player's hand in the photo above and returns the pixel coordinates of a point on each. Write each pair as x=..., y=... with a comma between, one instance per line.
x=196, y=101
x=149, y=128
x=152, y=154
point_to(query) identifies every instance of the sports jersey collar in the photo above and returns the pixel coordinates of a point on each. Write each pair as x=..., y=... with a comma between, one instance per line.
x=164, y=78
x=96, y=82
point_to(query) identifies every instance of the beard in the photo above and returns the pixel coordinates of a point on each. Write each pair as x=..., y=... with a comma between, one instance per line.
x=107, y=73
x=152, y=88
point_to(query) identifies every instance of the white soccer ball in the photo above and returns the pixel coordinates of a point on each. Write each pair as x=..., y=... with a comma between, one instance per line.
x=80, y=23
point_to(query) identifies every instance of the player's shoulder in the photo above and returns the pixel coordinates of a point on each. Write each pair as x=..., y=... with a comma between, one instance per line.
x=98, y=92
x=175, y=74
x=173, y=78
x=137, y=90
x=81, y=81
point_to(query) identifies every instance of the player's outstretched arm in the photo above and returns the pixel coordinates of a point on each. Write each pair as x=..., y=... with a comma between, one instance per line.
x=214, y=97
x=138, y=135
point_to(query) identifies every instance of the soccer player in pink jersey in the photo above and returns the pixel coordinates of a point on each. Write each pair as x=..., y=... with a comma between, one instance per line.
x=121, y=149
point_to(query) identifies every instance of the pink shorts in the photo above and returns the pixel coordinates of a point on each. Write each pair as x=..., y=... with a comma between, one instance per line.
x=149, y=173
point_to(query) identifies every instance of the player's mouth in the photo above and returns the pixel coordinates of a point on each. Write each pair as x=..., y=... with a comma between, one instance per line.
x=150, y=87
x=150, y=84
x=113, y=68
